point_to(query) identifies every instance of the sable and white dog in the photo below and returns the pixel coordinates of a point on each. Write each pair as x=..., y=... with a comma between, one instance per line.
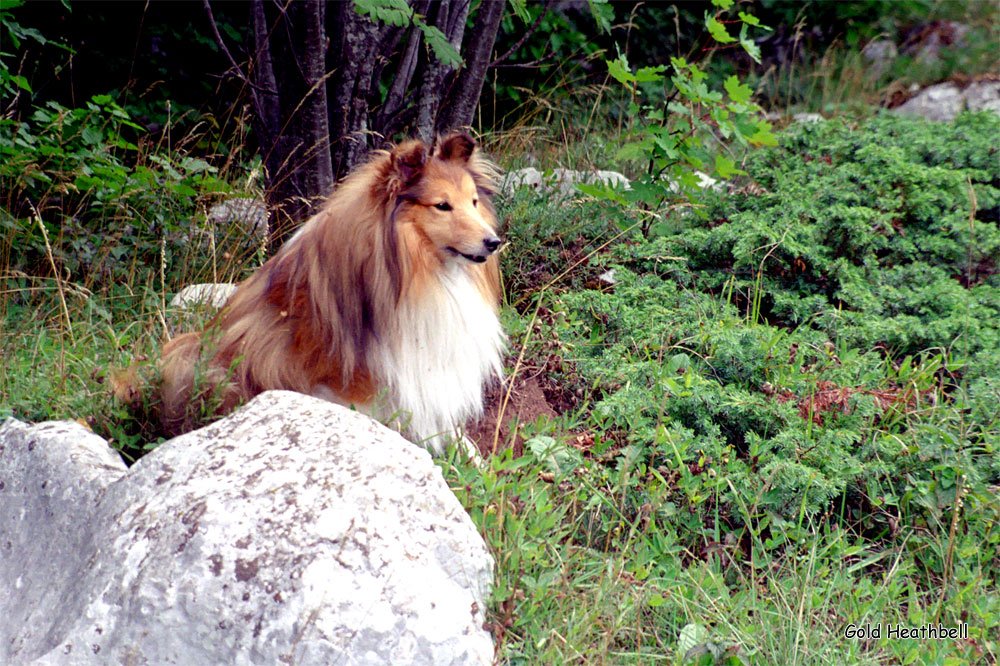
x=386, y=300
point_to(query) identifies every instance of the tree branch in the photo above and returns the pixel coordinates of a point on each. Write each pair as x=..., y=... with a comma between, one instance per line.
x=233, y=67
x=533, y=63
x=218, y=38
x=524, y=37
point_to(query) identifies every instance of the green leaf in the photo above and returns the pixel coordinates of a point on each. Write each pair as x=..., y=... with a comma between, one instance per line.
x=559, y=458
x=677, y=107
x=763, y=136
x=718, y=31
x=738, y=92
x=668, y=144
x=749, y=45
x=520, y=8
x=122, y=143
x=601, y=192
x=35, y=35
x=637, y=150
x=21, y=82
x=92, y=135
x=391, y=12
x=749, y=19
x=196, y=165
x=723, y=4
x=439, y=44
x=726, y=167
x=619, y=71
x=601, y=13
x=650, y=74
x=691, y=635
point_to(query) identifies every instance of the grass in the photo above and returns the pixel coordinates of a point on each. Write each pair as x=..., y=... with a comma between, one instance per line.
x=558, y=601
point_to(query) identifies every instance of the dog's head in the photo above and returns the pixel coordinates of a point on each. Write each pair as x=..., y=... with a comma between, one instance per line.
x=444, y=192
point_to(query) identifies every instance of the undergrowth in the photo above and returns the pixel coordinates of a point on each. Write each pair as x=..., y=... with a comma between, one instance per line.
x=100, y=222
x=790, y=425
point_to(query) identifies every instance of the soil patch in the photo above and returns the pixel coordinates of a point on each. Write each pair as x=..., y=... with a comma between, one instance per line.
x=525, y=404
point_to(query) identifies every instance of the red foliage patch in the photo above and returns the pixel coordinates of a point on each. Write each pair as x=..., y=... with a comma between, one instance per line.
x=829, y=397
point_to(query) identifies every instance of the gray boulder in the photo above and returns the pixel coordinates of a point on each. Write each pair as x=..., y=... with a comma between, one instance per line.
x=943, y=101
x=528, y=177
x=880, y=54
x=293, y=531
x=928, y=41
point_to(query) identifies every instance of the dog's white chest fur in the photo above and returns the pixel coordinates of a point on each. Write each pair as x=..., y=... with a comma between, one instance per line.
x=447, y=344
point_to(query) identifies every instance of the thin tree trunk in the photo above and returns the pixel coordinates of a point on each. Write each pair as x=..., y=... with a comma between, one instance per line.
x=292, y=128
x=385, y=120
x=450, y=16
x=267, y=116
x=354, y=39
x=461, y=101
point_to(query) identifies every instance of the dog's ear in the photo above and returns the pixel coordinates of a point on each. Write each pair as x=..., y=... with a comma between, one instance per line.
x=457, y=147
x=407, y=162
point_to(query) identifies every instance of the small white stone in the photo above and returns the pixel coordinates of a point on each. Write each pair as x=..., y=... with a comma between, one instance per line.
x=209, y=294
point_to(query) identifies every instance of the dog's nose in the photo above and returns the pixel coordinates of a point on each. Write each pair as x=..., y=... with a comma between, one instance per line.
x=491, y=244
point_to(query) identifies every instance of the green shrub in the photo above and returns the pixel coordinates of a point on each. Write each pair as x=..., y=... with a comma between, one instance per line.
x=824, y=344
x=111, y=208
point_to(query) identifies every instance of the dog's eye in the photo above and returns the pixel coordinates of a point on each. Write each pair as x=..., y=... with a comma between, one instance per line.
x=475, y=202
x=444, y=205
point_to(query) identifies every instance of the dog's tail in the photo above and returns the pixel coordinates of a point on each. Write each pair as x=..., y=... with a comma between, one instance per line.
x=177, y=381
x=193, y=388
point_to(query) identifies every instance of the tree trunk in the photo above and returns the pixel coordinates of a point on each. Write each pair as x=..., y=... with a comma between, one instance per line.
x=353, y=41
x=289, y=70
x=449, y=17
x=391, y=116
x=463, y=97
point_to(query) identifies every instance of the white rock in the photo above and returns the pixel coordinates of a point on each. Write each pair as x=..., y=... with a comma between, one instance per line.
x=248, y=213
x=208, y=293
x=808, y=118
x=564, y=180
x=559, y=183
x=705, y=182
x=982, y=96
x=52, y=477
x=943, y=101
x=293, y=531
x=529, y=177
x=935, y=37
x=880, y=54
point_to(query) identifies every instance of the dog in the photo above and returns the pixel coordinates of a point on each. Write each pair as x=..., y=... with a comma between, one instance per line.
x=386, y=300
